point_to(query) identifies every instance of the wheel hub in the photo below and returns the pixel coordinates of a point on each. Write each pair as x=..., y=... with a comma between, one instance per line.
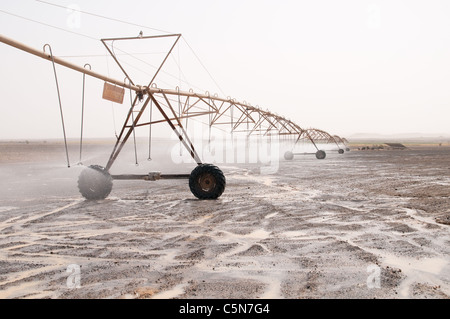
x=207, y=182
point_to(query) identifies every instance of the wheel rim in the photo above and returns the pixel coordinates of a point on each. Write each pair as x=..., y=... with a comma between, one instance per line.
x=207, y=182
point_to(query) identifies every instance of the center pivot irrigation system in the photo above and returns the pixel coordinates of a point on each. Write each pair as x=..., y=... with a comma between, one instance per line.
x=175, y=107
x=316, y=136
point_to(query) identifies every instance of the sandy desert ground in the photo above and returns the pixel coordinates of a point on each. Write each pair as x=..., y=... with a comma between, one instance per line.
x=364, y=224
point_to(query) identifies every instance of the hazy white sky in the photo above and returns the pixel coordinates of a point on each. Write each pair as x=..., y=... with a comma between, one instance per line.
x=342, y=66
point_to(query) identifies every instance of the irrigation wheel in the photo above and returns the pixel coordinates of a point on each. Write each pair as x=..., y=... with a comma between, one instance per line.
x=95, y=183
x=207, y=181
x=288, y=155
x=320, y=154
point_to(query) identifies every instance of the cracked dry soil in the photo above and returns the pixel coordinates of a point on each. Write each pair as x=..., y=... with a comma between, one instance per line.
x=355, y=225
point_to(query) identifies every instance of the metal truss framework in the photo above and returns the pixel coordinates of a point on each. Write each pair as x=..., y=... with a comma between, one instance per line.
x=176, y=106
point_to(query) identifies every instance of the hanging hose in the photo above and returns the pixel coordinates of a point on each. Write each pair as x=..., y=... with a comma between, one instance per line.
x=133, y=127
x=82, y=113
x=150, y=134
x=187, y=109
x=60, y=104
x=179, y=115
x=209, y=124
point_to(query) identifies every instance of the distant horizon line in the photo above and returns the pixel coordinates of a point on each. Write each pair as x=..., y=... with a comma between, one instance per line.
x=355, y=136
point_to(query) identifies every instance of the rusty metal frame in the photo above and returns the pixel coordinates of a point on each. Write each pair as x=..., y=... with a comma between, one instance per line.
x=104, y=41
x=319, y=136
x=240, y=117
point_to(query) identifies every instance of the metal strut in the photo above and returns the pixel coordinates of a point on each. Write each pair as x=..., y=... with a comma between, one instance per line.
x=123, y=137
x=185, y=140
x=121, y=142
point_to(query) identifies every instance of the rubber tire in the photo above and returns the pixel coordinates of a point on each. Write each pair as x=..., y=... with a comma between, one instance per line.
x=320, y=154
x=341, y=151
x=288, y=155
x=214, y=176
x=95, y=183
